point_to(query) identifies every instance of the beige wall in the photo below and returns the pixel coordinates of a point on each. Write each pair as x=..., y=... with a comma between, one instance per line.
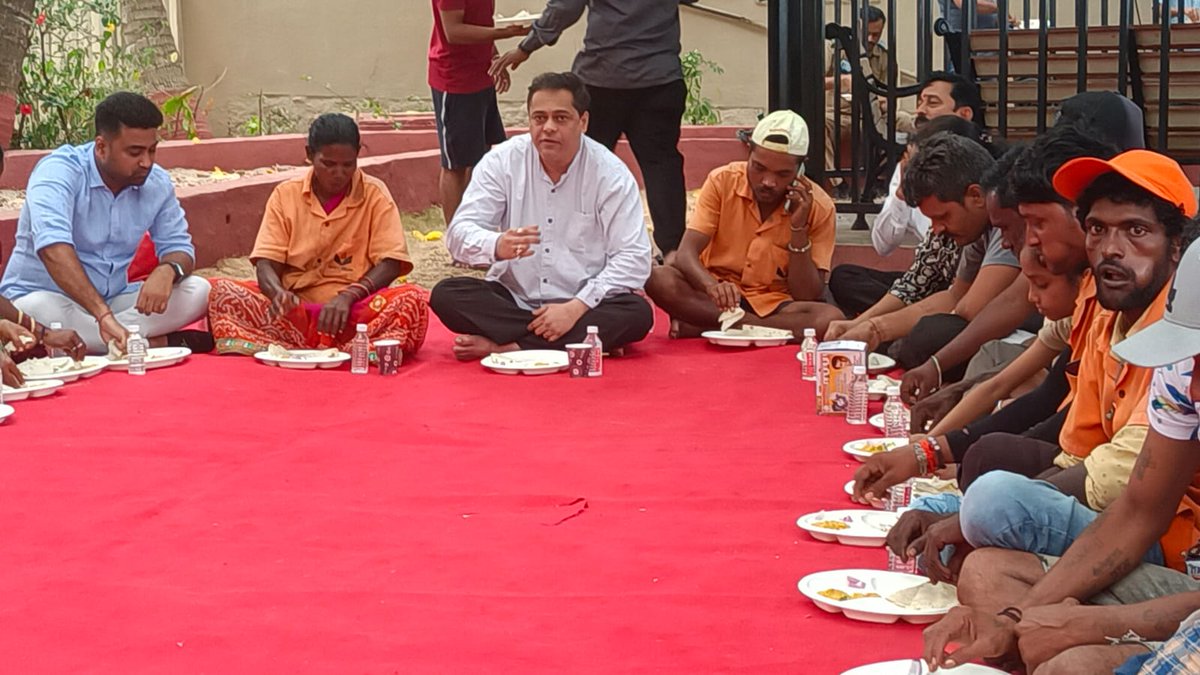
x=290, y=49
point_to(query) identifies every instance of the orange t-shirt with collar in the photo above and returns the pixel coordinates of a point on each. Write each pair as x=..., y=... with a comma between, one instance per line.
x=748, y=251
x=322, y=253
x=1108, y=394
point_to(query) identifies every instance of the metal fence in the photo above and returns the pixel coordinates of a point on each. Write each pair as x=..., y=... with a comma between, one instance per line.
x=1024, y=69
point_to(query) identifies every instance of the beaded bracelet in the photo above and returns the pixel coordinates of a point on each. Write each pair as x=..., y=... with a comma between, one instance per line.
x=938, y=453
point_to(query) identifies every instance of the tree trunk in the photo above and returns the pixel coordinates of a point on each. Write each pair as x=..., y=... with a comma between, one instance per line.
x=146, y=25
x=16, y=16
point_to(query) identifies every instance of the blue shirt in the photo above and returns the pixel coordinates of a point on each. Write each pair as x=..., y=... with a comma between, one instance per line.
x=67, y=202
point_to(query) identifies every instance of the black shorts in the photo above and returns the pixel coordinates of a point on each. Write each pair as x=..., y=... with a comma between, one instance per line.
x=468, y=125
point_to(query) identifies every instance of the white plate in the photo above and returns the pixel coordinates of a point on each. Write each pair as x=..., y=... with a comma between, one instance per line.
x=855, y=448
x=905, y=668
x=304, y=359
x=518, y=19
x=850, y=493
x=32, y=390
x=90, y=366
x=156, y=357
x=876, y=421
x=6, y=412
x=877, y=363
x=873, y=610
x=527, y=362
x=866, y=527
x=718, y=337
x=877, y=387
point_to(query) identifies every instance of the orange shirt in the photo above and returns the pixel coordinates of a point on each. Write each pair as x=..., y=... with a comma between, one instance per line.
x=1108, y=393
x=322, y=253
x=748, y=251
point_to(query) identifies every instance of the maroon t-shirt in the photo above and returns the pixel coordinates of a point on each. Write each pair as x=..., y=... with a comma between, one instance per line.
x=460, y=69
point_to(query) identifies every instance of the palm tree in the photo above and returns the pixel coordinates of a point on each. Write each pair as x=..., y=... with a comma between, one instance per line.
x=146, y=28
x=17, y=18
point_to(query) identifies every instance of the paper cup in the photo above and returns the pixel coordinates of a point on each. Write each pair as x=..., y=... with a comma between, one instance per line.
x=578, y=359
x=390, y=356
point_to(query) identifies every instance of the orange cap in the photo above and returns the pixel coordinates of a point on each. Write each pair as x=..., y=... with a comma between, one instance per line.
x=1158, y=174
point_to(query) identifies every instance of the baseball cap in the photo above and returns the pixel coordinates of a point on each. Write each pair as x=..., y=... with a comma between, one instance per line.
x=1176, y=336
x=787, y=125
x=1158, y=174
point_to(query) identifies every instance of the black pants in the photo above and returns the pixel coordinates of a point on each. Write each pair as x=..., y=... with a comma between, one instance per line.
x=856, y=289
x=650, y=118
x=472, y=306
x=929, y=335
x=1018, y=454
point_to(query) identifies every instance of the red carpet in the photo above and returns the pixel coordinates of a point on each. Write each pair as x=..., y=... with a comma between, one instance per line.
x=225, y=517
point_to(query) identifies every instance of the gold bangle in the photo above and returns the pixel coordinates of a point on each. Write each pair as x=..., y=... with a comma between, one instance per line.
x=803, y=249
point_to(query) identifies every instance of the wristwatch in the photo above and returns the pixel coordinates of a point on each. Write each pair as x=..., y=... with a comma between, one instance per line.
x=177, y=269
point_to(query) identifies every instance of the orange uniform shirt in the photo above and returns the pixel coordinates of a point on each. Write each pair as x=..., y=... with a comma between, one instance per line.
x=751, y=252
x=322, y=253
x=1107, y=393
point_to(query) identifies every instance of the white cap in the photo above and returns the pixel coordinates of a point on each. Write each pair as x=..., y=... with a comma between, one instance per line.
x=786, y=131
x=1176, y=336
x=55, y=325
x=362, y=328
x=862, y=370
x=893, y=390
x=810, y=332
x=135, y=328
x=593, y=329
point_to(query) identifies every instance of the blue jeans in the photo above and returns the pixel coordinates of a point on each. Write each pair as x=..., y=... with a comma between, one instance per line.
x=1010, y=511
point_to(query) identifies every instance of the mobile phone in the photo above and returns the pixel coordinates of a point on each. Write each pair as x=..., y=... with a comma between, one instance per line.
x=789, y=204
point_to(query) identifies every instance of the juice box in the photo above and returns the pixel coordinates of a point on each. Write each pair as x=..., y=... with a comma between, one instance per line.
x=835, y=371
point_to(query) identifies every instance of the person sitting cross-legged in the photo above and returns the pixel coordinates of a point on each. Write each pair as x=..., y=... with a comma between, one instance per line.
x=87, y=208
x=559, y=220
x=761, y=238
x=330, y=245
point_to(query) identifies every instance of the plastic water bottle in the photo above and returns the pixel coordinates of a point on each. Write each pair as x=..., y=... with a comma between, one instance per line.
x=596, y=356
x=808, y=355
x=135, y=347
x=895, y=415
x=54, y=352
x=360, y=350
x=899, y=497
x=856, y=413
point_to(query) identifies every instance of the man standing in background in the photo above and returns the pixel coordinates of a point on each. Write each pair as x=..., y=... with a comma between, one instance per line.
x=630, y=63
x=464, y=93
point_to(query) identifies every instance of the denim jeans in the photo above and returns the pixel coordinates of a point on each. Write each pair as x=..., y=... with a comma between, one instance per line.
x=1006, y=510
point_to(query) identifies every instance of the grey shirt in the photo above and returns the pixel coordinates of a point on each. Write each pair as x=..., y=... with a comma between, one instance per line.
x=954, y=17
x=629, y=44
x=987, y=250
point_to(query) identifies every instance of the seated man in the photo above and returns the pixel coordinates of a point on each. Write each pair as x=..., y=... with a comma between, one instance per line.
x=761, y=238
x=1018, y=604
x=943, y=179
x=855, y=289
x=559, y=219
x=330, y=246
x=86, y=210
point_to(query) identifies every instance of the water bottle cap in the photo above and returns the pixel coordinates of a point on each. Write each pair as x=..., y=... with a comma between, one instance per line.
x=861, y=370
x=893, y=390
x=135, y=328
x=810, y=332
x=362, y=328
x=55, y=325
x=593, y=329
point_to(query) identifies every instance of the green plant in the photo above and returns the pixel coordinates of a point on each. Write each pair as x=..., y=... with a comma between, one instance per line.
x=76, y=58
x=699, y=110
x=269, y=120
x=183, y=108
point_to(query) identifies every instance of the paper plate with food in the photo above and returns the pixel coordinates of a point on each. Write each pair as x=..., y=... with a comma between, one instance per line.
x=918, y=667
x=868, y=447
x=849, y=527
x=521, y=18
x=878, y=363
x=748, y=336
x=302, y=359
x=62, y=368
x=878, y=596
x=527, y=362
x=32, y=389
x=156, y=357
x=877, y=387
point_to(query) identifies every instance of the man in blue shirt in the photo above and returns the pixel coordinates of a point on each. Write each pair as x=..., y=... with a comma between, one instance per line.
x=86, y=209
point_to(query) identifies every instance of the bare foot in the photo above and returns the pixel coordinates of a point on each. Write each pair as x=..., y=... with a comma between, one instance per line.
x=674, y=332
x=683, y=329
x=475, y=347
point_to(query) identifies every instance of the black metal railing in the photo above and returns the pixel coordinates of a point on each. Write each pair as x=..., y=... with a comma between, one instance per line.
x=1024, y=71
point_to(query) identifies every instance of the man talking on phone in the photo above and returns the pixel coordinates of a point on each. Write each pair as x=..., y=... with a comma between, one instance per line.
x=760, y=241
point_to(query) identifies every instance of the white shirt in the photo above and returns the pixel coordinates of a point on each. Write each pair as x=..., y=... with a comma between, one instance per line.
x=896, y=220
x=1171, y=410
x=594, y=241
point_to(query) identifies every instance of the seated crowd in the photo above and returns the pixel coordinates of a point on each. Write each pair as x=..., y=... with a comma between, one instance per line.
x=1081, y=502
